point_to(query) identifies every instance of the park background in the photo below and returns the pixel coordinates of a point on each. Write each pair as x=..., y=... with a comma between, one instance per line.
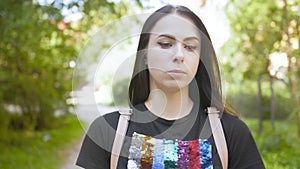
x=50, y=52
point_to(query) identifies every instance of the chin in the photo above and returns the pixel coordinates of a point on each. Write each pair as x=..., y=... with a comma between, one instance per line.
x=175, y=87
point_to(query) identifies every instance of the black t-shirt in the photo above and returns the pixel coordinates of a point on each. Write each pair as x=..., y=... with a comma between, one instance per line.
x=154, y=142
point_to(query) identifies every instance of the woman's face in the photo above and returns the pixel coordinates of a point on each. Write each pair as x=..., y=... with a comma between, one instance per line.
x=173, y=53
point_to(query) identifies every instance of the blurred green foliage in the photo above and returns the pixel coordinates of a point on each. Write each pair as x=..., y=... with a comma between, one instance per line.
x=35, y=52
x=37, y=48
x=245, y=99
x=258, y=29
x=279, y=146
x=44, y=149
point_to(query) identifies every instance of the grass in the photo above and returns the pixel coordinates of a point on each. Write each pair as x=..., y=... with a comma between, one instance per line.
x=42, y=149
x=279, y=146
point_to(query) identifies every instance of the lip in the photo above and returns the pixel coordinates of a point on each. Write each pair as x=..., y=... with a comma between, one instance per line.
x=176, y=71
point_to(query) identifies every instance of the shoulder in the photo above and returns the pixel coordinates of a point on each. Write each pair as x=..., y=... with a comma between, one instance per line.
x=233, y=123
x=102, y=129
x=104, y=124
x=110, y=119
x=98, y=141
x=242, y=149
x=234, y=128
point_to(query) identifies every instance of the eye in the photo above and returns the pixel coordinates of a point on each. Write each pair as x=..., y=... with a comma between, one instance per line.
x=165, y=44
x=191, y=47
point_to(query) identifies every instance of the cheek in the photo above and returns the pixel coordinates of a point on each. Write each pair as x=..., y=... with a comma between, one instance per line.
x=193, y=63
x=192, y=68
x=157, y=59
x=195, y=68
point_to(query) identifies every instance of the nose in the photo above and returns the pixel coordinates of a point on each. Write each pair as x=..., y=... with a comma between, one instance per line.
x=179, y=56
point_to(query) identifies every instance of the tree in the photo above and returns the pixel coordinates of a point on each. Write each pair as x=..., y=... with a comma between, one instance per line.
x=260, y=28
x=38, y=49
x=35, y=50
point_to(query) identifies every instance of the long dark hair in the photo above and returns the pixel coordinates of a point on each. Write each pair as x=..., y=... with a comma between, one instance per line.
x=207, y=83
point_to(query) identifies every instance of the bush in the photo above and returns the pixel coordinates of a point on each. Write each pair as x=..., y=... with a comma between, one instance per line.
x=40, y=149
x=278, y=146
x=4, y=124
x=245, y=99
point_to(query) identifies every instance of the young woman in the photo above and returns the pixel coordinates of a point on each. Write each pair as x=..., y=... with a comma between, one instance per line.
x=176, y=77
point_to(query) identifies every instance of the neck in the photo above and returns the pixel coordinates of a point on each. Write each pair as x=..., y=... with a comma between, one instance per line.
x=169, y=105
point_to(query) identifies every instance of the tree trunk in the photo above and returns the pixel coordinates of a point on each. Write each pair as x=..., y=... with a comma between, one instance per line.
x=290, y=67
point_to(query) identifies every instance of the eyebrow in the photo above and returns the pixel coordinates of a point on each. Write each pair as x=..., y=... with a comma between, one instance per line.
x=167, y=36
x=173, y=38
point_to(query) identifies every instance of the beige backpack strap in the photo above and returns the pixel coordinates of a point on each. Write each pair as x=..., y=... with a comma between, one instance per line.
x=120, y=135
x=218, y=134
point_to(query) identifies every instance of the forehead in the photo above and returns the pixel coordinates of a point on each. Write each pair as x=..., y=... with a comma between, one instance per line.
x=178, y=26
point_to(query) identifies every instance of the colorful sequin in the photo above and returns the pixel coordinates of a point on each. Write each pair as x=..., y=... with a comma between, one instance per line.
x=183, y=158
x=170, y=154
x=158, y=160
x=134, y=159
x=194, y=154
x=205, y=154
x=146, y=152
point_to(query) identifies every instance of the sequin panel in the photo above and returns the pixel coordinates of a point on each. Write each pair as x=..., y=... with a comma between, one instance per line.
x=170, y=154
x=183, y=151
x=147, y=152
x=206, y=154
x=134, y=159
x=158, y=159
x=194, y=155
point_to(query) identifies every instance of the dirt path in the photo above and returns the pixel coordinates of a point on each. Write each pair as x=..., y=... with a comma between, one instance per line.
x=72, y=156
